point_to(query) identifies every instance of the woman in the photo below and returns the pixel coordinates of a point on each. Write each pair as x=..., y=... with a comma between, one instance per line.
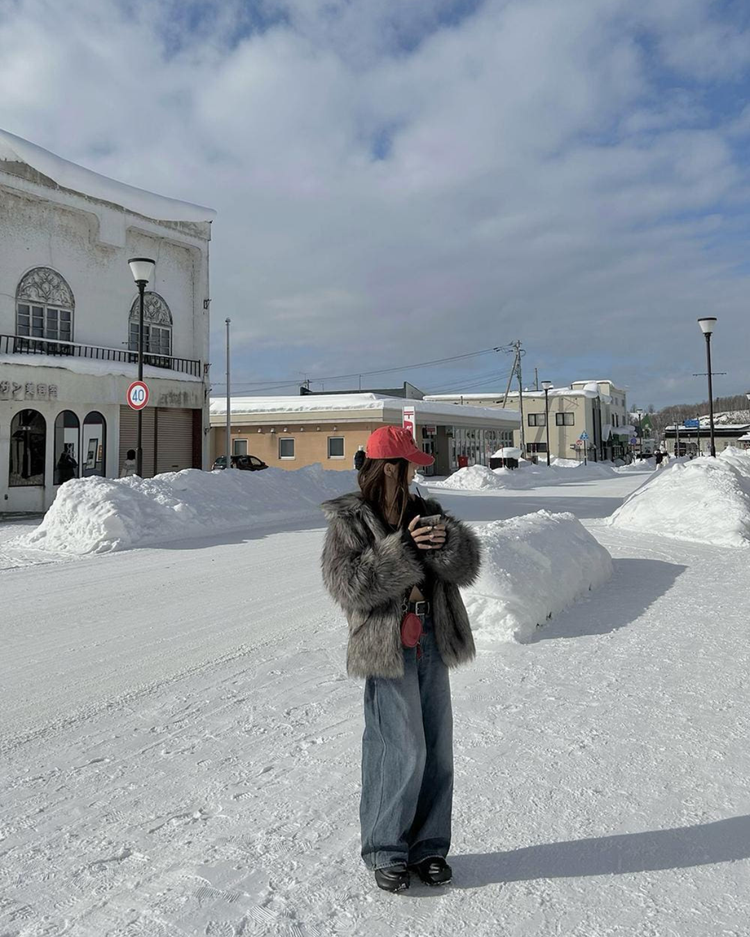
x=381, y=564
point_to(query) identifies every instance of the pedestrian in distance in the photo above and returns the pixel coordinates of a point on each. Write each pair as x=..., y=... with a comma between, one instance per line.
x=394, y=562
x=658, y=458
x=66, y=465
x=129, y=465
x=359, y=458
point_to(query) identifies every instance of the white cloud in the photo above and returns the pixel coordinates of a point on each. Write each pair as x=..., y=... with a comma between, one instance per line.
x=393, y=189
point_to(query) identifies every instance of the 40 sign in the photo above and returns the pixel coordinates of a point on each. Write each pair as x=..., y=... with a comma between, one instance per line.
x=137, y=395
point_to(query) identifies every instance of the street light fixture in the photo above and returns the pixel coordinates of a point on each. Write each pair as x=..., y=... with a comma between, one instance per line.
x=707, y=324
x=547, y=387
x=142, y=269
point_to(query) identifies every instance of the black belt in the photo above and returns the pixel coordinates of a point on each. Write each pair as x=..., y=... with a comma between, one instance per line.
x=421, y=609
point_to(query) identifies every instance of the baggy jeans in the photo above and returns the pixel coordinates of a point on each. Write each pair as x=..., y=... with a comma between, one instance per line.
x=407, y=761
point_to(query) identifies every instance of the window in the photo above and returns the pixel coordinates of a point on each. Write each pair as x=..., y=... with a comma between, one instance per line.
x=239, y=447
x=286, y=447
x=157, y=328
x=28, y=440
x=256, y=462
x=536, y=447
x=537, y=419
x=44, y=307
x=67, y=457
x=565, y=419
x=335, y=447
x=94, y=445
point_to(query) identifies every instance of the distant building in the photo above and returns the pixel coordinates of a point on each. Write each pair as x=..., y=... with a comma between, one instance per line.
x=590, y=415
x=69, y=326
x=291, y=432
x=408, y=390
x=687, y=440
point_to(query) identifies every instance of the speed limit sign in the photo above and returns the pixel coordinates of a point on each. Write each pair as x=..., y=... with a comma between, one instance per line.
x=137, y=395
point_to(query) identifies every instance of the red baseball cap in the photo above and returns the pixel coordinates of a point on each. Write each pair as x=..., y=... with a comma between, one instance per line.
x=396, y=442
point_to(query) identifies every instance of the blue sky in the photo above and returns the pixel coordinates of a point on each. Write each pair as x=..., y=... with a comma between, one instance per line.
x=400, y=182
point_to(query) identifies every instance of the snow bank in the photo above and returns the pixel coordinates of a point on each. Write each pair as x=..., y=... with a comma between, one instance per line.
x=704, y=500
x=98, y=515
x=534, y=567
x=528, y=475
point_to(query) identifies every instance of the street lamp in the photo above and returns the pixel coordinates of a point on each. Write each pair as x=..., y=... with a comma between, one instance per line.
x=639, y=414
x=547, y=387
x=142, y=269
x=707, y=324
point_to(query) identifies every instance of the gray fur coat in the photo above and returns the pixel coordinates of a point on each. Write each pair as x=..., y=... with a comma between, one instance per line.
x=368, y=570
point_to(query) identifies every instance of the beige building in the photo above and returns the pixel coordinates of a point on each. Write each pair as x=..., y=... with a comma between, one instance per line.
x=588, y=416
x=291, y=432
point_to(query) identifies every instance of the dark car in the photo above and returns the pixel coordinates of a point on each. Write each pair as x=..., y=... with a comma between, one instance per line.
x=246, y=463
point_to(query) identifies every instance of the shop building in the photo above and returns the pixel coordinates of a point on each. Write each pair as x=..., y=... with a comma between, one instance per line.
x=291, y=432
x=69, y=326
x=586, y=416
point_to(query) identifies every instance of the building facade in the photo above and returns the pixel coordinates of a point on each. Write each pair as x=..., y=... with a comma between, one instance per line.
x=691, y=441
x=587, y=417
x=291, y=432
x=69, y=326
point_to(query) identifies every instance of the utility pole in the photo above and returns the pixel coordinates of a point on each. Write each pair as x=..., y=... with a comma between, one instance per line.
x=515, y=371
x=536, y=378
x=229, y=410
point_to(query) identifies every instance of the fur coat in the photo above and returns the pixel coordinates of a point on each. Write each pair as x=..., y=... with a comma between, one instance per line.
x=368, y=570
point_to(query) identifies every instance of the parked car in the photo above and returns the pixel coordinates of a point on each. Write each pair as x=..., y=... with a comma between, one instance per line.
x=246, y=463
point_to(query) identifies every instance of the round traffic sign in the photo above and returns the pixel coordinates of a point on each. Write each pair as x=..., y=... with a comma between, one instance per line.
x=137, y=395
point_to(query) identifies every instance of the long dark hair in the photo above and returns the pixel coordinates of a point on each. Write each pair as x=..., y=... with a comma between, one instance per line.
x=372, y=482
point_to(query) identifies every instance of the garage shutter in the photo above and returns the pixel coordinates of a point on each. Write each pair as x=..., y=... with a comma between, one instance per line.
x=168, y=438
x=174, y=440
x=129, y=435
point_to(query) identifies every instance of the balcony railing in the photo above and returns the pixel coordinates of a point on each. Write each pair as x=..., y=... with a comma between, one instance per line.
x=23, y=345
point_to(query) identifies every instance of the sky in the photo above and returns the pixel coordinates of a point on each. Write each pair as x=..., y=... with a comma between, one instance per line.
x=403, y=181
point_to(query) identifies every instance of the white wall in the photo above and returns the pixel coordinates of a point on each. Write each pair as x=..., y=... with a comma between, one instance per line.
x=36, y=233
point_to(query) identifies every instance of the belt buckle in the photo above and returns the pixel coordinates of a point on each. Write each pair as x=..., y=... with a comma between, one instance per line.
x=420, y=611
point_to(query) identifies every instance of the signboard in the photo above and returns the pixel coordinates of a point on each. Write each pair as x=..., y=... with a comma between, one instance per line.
x=430, y=430
x=137, y=395
x=691, y=424
x=584, y=435
x=408, y=421
x=633, y=440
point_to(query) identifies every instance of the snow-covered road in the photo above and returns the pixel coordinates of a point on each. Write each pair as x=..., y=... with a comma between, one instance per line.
x=181, y=749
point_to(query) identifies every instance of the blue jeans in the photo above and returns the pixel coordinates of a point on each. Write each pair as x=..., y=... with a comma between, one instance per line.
x=407, y=761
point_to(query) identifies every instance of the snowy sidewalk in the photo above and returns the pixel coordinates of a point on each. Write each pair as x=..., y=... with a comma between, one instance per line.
x=201, y=774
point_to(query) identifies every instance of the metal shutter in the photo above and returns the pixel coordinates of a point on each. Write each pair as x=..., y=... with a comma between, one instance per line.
x=129, y=436
x=174, y=440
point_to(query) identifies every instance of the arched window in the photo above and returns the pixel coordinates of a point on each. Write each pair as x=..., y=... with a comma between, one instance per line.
x=157, y=325
x=45, y=307
x=67, y=454
x=94, y=444
x=28, y=437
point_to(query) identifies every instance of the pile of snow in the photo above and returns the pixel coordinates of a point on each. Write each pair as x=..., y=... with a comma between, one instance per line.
x=98, y=515
x=705, y=500
x=533, y=567
x=528, y=475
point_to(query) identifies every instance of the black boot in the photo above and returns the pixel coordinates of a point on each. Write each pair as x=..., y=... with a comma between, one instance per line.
x=394, y=878
x=434, y=871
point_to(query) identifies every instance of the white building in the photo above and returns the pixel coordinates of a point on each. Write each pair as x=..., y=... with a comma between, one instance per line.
x=69, y=333
x=588, y=416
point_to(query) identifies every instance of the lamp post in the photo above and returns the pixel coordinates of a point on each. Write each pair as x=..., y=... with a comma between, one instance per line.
x=707, y=324
x=639, y=414
x=547, y=387
x=142, y=269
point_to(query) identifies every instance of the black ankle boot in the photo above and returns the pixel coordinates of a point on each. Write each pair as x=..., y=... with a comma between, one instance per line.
x=394, y=878
x=434, y=871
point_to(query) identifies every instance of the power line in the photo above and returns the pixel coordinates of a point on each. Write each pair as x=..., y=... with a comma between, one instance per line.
x=340, y=377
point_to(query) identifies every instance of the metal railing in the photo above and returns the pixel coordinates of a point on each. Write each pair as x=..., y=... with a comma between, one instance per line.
x=24, y=345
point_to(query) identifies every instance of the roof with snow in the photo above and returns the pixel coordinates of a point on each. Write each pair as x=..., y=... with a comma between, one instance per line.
x=359, y=406
x=86, y=182
x=587, y=391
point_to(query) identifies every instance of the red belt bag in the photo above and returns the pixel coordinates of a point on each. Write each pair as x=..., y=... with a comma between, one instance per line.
x=411, y=629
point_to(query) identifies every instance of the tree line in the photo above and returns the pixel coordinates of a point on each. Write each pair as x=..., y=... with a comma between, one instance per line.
x=736, y=406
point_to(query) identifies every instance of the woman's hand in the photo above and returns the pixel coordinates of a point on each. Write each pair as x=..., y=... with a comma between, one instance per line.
x=427, y=538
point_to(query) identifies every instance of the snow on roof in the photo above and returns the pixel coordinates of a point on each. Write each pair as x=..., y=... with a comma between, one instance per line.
x=355, y=402
x=72, y=176
x=554, y=392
